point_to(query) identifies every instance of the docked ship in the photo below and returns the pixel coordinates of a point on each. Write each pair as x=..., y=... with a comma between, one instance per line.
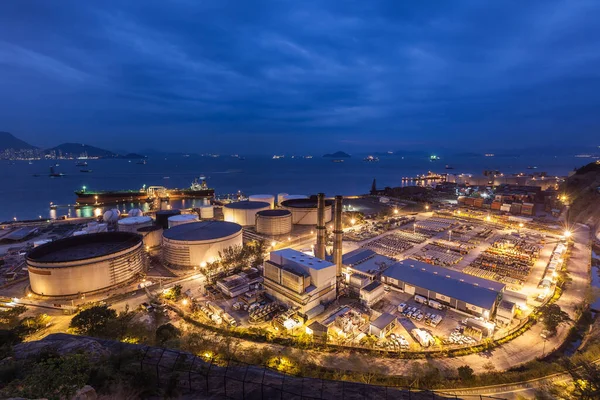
x=81, y=164
x=198, y=189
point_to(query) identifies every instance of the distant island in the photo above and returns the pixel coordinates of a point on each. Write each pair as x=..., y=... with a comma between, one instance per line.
x=337, y=154
x=13, y=148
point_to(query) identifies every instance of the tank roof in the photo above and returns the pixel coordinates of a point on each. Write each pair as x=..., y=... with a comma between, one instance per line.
x=274, y=213
x=150, y=228
x=134, y=220
x=247, y=205
x=183, y=217
x=84, y=247
x=205, y=230
x=304, y=203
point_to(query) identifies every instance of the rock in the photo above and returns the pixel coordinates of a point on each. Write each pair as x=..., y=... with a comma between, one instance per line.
x=61, y=346
x=85, y=393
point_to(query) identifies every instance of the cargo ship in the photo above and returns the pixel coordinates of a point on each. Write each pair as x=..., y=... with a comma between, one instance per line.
x=198, y=189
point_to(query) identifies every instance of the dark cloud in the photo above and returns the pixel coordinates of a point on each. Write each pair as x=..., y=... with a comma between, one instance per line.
x=268, y=75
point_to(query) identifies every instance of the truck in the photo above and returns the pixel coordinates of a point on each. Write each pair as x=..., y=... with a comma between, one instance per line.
x=229, y=319
x=423, y=337
x=420, y=299
x=435, y=304
x=402, y=307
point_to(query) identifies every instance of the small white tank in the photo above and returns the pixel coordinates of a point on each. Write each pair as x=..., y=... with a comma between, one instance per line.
x=182, y=219
x=132, y=224
x=111, y=216
x=266, y=198
x=135, y=212
x=207, y=212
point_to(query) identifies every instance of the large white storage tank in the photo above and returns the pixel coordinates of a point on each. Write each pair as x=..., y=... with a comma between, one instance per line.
x=111, y=216
x=151, y=236
x=132, y=224
x=207, y=212
x=182, y=219
x=267, y=198
x=135, y=212
x=304, y=210
x=274, y=222
x=244, y=212
x=192, y=245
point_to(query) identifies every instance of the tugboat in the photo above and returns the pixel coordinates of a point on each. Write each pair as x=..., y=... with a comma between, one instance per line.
x=54, y=174
x=81, y=164
x=371, y=159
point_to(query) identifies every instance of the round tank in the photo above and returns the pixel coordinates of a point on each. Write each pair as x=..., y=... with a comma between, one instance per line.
x=135, y=212
x=151, y=236
x=281, y=197
x=304, y=210
x=162, y=217
x=267, y=198
x=207, y=212
x=285, y=196
x=182, y=219
x=244, y=212
x=274, y=222
x=132, y=224
x=111, y=216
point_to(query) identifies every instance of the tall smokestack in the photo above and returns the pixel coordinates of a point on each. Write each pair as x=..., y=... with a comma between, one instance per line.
x=338, y=234
x=321, y=231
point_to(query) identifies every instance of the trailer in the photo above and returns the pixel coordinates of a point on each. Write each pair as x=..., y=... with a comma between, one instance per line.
x=420, y=299
x=435, y=304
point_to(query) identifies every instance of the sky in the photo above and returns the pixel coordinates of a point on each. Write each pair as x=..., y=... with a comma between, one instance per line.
x=301, y=76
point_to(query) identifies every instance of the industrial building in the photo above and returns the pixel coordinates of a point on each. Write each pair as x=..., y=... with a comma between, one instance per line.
x=132, y=224
x=372, y=293
x=192, y=245
x=363, y=263
x=86, y=263
x=459, y=291
x=244, y=212
x=274, y=222
x=299, y=280
x=382, y=325
x=238, y=284
x=304, y=211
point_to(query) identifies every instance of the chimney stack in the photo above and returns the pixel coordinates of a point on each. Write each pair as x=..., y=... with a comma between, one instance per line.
x=321, y=230
x=338, y=234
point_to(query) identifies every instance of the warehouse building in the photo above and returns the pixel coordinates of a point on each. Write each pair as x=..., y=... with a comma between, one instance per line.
x=363, y=266
x=462, y=292
x=382, y=325
x=372, y=293
x=299, y=280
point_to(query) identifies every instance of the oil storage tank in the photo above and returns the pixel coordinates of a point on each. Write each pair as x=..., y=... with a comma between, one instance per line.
x=85, y=263
x=111, y=216
x=207, y=212
x=132, y=224
x=151, y=236
x=135, y=212
x=191, y=245
x=281, y=197
x=244, y=212
x=162, y=217
x=304, y=211
x=182, y=219
x=267, y=198
x=274, y=222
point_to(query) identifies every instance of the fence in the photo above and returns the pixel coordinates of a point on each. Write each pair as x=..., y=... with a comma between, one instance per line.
x=228, y=379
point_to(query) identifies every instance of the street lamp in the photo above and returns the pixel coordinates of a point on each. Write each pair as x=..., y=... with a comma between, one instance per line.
x=488, y=218
x=184, y=302
x=273, y=244
x=395, y=211
x=427, y=207
x=450, y=235
x=414, y=229
x=352, y=221
x=568, y=233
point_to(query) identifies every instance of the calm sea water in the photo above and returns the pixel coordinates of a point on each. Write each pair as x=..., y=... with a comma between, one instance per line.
x=27, y=197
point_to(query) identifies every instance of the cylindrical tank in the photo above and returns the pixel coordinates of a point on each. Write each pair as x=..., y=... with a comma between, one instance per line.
x=267, y=198
x=132, y=224
x=162, y=217
x=135, y=212
x=244, y=212
x=304, y=211
x=281, y=197
x=274, y=222
x=111, y=216
x=152, y=236
x=182, y=219
x=207, y=212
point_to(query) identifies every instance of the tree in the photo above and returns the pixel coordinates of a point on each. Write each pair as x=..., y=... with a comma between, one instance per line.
x=553, y=317
x=174, y=293
x=94, y=321
x=465, y=373
x=167, y=332
x=10, y=318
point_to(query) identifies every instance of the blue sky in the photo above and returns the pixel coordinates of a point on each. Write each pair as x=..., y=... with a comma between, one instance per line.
x=295, y=76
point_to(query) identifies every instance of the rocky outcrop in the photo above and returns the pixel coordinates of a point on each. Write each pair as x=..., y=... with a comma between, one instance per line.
x=61, y=344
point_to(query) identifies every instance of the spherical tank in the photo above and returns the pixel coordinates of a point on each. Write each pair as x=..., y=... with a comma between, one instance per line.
x=132, y=224
x=274, y=222
x=151, y=236
x=304, y=211
x=207, y=212
x=111, y=216
x=162, y=217
x=193, y=245
x=267, y=198
x=85, y=263
x=244, y=212
x=182, y=219
x=135, y=212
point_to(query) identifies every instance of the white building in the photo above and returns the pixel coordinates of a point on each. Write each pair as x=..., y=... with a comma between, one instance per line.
x=299, y=280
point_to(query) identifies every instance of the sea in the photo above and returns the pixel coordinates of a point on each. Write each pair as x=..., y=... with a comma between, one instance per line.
x=26, y=190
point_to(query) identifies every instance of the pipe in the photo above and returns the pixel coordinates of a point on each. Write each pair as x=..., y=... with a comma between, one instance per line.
x=338, y=234
x=321, y=230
